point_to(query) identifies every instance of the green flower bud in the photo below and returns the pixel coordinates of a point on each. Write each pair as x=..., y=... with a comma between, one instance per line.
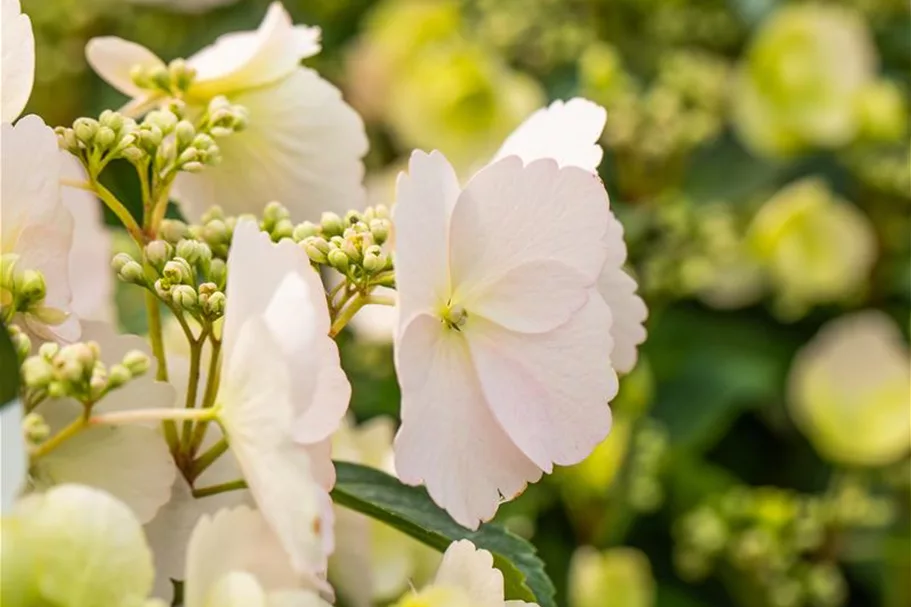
x=85, y=129
x=112, y=120
x=193, y=167
x=158, y=253
x=184, y=296
x=203, y=142
x=305, y=230
x=133, y=154
x=218, y=272
x=379, y=229
x=185, y=133
x=316, y=248
x=66, y=139
x=137, y=362
x=331, y=224
x=31, y=288
x=172, y=230
x=215, y=304
x=216, y=232
x=353, y=217
x=150, y=137
x=374, y=262
x=338, y=260
x=273, y=213
x=193, y=251
x=188, y=156
x=164, y=120
x=182, y=75
x=21, y=342
x=35, y=428
x=132, y=273
x=178, y=271
x=117, y=376
x=160, y=78
x=120, y=260
x=283, y=229
x=49, y=350
x=37, y=372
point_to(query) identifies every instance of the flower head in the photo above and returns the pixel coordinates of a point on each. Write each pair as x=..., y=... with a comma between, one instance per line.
x=36, y=230
x=303, y=144
x=466, y=578
x=848, y=390
x=282, y=392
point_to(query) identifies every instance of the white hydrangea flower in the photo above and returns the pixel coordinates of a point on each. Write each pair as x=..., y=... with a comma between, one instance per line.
x=234, y=559
x=569, y=132
x=504, y=344
x=283, y=392
x=36, y=227
x=131, y=462
x=303, y=145
x=17, y=72
x=848, y=390
x=466, y=578
x=74, y=546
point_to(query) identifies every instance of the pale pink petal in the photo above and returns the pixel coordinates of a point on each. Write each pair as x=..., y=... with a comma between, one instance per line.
x=471, y=570
x=303, y=148
x=425, y=197
x=567, y=131
x=18, y=67
x=510, y=214
x=112, y=58
x=449, y=440
x=245, y=60
x=549, y=391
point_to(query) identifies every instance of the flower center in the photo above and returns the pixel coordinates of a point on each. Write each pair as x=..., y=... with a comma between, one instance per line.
x=454, y=316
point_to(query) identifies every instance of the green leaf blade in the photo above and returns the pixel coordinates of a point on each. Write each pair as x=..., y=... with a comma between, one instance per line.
x=411, y=511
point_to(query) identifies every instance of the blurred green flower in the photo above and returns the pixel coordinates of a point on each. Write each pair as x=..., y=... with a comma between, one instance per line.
x=619, y=577
x=815, y=247
x=882, y=111
x=74, y=547
x=848, y=391
x=798, y=83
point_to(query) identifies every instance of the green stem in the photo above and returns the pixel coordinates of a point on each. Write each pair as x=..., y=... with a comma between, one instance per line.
x=213, y=379
x=192, y=386
x=222, y=488
x=55, y=441
x=122, y=213
x=155, y=335
x=359, y=301
x=208, y=458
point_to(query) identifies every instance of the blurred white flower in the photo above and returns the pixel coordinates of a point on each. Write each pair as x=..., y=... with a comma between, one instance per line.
x=283, y=392
x=74, y=546
x=36, y=228
x=504, y=344
x=234, y=559
x=131, y=462
x=303, y=145
x=568, y=132
x=848, y=390
x=373, y=561
x=466, y=578
x=17, y=72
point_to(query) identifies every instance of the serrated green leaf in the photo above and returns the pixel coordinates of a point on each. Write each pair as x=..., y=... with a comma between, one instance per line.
x=410, y=510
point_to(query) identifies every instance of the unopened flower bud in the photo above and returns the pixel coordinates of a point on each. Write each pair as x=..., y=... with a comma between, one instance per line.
x=117, y=376
x=104, y=137
x=137, y=362
x=215, y=304
x=37, y=372
x=193, y=167
x=21, y=342
x=193, y=251
x=49, y=350
x=133, y=154
x=113, y=120
x=178, y=271
x=282, y=229
x=274, y=212
x=31, y=287
x=120, y=260
x=331, y=224
x=85, y=129
x=66, y=139
x=338, y=260
x=216, y=232
x=374, y=262
x=182, y=75
x=317, y=249
x=203, y=142
x=218, y=272
x=35, y=429
x=164, y=120
x=184, y=296
x=305, y=230
x=132, y=273
x=150, y=137
x=379, y=228
x=158, y=253
x=172, y=230
x=185, y=132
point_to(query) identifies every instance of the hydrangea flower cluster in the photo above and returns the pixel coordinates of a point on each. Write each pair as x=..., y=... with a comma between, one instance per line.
x=210, y=469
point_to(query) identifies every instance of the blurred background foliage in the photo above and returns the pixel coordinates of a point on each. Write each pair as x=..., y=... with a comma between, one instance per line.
x=757, y=152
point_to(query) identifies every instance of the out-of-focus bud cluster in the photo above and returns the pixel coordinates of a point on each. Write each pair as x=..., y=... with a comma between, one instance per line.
x=21, y=342
x=352, y=245
x=785, y=543
x=644, y=467
x=77, y=371
x=172, y=80
x=654, y=126
x=23, y=290
x=182, y=272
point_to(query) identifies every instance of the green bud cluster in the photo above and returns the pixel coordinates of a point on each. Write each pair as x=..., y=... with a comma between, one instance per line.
x=223, y=118
x=21, y=342
x=777, y=538
x=21, y=289
x=96, y=142
x=644, y=467
x=174, y=142
x=76, y=371
x=352, y=245
x=172, y=80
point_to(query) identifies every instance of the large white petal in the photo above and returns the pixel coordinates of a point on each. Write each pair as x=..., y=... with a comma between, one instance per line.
x=449, y=439
x=303, y=148
x=549, y=391
x=18, y=68
x=112, y=58
x=14, y=463
x=257, y=414
x=472, y=570
x=91, y=279
x=567, y=131
x=425, y=197
x=510, y=215
x=619, y=291
x=132, y=463
x=237, y=540
x=245, y=60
